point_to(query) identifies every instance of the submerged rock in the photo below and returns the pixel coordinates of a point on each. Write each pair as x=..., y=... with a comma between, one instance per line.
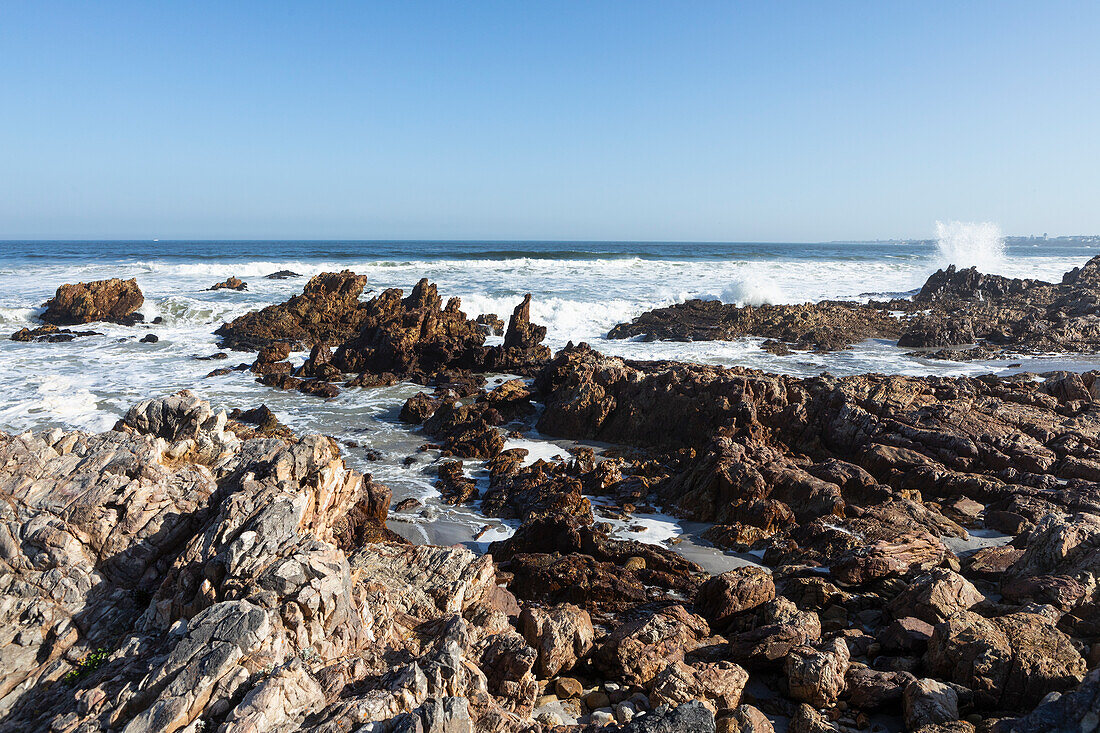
x=50, y=334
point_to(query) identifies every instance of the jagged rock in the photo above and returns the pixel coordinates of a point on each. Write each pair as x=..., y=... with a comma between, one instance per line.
x=507, y=661
x=1061, y=561
x=914, y=551
x=788, y=447
x=559, y=559
x=265, y=422
x=232, y=283
x=815, y=675
x=113, y=301
x=823, y=326
x=561, y=635
x=213, y=572
x=426, y=581
x=491, y=323
x=454, y=487
x=418, y=336
x=419, y=408
x=953, y=308
x=531, y=492
x=327, y=311
x=522, y=350
x=413, y=335
x=1077, y=710
x=781, y=628
x=466, y=431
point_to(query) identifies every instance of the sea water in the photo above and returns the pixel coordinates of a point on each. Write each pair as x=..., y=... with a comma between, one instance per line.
x=579, y=291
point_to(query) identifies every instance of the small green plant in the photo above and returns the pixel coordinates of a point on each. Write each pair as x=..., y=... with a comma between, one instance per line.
x=87, y=664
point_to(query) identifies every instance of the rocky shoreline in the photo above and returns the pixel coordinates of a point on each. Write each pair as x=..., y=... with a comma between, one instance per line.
x=957, y=314
x=195, y=571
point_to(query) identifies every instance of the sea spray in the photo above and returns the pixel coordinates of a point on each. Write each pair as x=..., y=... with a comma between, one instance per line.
x=970, y=244
x=753, y=291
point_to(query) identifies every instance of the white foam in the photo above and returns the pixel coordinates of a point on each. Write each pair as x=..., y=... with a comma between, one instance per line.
x=970, y=244
x=537, y=450
x=752, y=292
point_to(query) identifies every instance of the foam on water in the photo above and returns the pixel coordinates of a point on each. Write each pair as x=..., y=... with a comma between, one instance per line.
x=752, y=292
x=90, y=382
x=971, y=244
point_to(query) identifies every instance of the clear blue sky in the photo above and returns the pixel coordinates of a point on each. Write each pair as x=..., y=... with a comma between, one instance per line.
x=787, y=121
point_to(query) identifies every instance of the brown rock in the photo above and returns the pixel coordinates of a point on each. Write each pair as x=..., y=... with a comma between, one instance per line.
x=935, y=596
x=232, y=283
x=747, y=719
x=718, y=685
x=871, y=689
x=561, y=634
x=726, y=595
x=1010, y=661
x=816, y=675
x=929, y=702
x=114, y=301
x=327, y=311
x=638, y=650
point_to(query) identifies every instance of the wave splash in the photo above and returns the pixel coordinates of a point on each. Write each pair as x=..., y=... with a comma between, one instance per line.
x=970, y=244
x=746, y=291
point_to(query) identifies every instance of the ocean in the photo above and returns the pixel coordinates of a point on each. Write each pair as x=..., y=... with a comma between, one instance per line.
x=579, y=289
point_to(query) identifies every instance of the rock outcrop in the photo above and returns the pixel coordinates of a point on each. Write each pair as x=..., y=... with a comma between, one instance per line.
x=824, y=326
x=327, y=311
x=231, y=283
x=170, y=576
x=111, y=301
x=955, y=308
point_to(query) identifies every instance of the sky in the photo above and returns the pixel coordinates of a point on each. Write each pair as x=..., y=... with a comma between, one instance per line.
x=685, y=121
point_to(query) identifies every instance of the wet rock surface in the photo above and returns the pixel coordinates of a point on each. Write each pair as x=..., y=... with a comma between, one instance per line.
x=825, y=326
x=231, y=283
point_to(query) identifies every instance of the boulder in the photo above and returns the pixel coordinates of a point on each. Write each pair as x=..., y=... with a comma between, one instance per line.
x=691, y=717
x=718, y=685
x=231, y=283
x=935, y=596
x=561, y=634
x=929, y=702
x=638, y=650
x=113, y=301
x=1010, y=661
x=871, y=689
x=815, y=675
x=726, y=595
